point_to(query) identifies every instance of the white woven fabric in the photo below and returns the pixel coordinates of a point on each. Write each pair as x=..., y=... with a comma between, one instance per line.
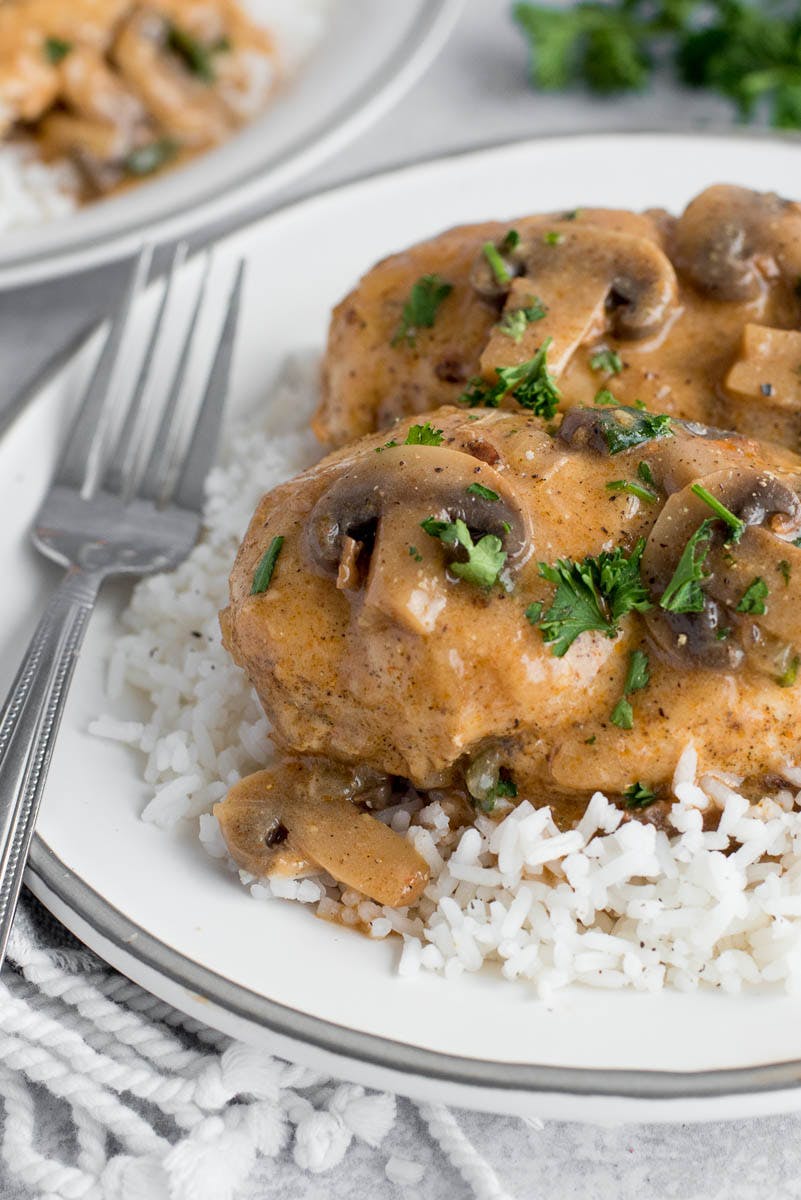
x=159, y=1107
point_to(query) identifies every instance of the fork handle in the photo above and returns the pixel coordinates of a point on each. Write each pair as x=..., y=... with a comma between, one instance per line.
x=29, y=723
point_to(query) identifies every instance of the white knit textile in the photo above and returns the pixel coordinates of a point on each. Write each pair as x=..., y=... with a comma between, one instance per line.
x=163, y=1108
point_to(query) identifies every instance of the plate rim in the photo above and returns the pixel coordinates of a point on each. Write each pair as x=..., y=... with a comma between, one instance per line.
x=410, y=58
x=49, y=876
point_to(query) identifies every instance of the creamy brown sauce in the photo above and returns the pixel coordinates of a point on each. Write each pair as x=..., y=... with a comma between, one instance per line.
x=369, y=651
x=124, y=88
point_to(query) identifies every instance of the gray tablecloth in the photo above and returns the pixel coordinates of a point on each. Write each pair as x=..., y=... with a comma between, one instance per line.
x=476, y=93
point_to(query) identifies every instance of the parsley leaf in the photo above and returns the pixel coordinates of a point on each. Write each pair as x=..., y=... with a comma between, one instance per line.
x=637, y=795
x=629, y=427
x=56, y=50
x=553, y=238
x=604, y=396
x=789, y=676
x=645, y=473
x=423, y=435
x=637, y=678
x=635, y=489
x=783, y=568
x=196, y=57
x=485, y=558
x=531, y=384
x=420, y=310
x=593, y=594
x=735, y=524
x=485, y=493
x=607, y=360
x=754, y=597
x=623, y=714
x=684, y=594
x=264, y=571
x=496, y=263
x=514, y=323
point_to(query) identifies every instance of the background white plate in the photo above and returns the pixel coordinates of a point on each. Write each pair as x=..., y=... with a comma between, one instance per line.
x=156, y=907
x=370, y=53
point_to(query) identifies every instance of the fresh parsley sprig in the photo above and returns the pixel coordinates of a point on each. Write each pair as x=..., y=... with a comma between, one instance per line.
x=513, y=324
x=421, y=308
x=485, y=558
x=684, y=593
x=530, y=384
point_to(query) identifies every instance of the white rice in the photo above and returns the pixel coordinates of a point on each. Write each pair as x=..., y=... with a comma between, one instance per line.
x=33, y=192
x=612, y=903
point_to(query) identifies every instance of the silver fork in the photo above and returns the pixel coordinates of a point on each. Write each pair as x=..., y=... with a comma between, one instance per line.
x=121, y=503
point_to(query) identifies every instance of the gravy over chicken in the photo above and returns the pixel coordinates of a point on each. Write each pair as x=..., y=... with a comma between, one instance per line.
x=549, y=587
x=123, y=87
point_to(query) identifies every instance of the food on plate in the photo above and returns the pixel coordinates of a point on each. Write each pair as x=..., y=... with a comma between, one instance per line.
x=696, y=316
x=528, y=641
x=119, y=89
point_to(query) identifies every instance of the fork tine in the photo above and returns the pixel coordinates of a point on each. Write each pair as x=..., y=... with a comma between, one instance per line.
x=155, y=474
x=82, y=455
x=121, y=470
x=189, y=490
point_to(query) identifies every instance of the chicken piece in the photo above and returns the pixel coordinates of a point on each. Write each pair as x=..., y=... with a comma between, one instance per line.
x=425, y=658
x=645, y=306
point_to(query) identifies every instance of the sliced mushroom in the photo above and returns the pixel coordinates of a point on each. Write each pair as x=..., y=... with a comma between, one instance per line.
x=757, y=498
x=731, y=240
x=380, y=502
x=292, y=822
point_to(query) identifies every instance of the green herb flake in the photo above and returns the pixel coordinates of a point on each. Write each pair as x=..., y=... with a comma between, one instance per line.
x=514, y=323
x=423, y=435
x=264, y=571
x=783, y=568
x=723, y=633
x=623, y=714
x=645, y=473
x=56, y=50
x=606, y=360
x=553, y=238
x=634, y=489
x=604, y=396
x=590, y=741
x=496, y=263
x=637, y=678
x=415, y=554
x=754, y=597
x=197, y=58
x=485, y=558
x=530, y=383
x=146, y=160
x=510, y=241
x=484, y=493
x=684, y=593
x=420, y=310
x=628, y=427
x=594, y=594
x=534, y=612
x=638, y=796
x=735, y=524
x=788, y=678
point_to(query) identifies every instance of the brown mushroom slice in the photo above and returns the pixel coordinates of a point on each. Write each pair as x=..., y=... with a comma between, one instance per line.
x=730, y=240
x=272, y=825
x=380, y=502
x=185, y=108
x=757, y=498
x=592, y=281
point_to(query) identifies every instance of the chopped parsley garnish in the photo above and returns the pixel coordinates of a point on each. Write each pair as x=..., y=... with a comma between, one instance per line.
x=783, y=568
x=604, y=396
x=510, y=241
x=485, y=558
x=505, y=787
x=684, y=593
x=645, y=473
x=423, y=435
x=420, y=310
x=514, y=323
x=607, y=360
x=754, y=597
x=478, y=489
x=196, y=57
x=593, y=594
x=637, y=795
x=530, y=383
x=635, y=489
x=144, y=160
x=264, y=571
x=496, y=263
x=790, y=675
x=56, y=49
x=723, y=633
x=735, y=524
x=637, y=678
x=415, y=554
x=553, y=238
x=638, y=427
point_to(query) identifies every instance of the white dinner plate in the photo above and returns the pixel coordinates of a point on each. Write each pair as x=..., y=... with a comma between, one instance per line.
x=370, y=53
x=156, y=907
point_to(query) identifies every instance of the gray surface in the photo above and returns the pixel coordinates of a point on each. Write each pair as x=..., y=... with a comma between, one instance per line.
x=476, y=93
